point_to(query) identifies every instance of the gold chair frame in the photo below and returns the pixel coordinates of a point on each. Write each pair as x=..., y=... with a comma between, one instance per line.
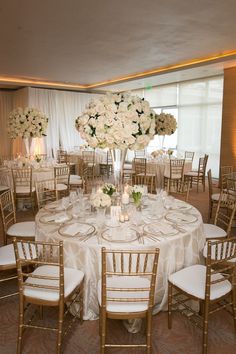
x=189, y=155
x=62, y=176
x=212, y=202
x=176, y=176
x=225, y=211
x=128, y=263
x=45, y=192
x=200, y=173
x=218, y=261
x=140, y=175
x=5, y=278
x=22, y=177
x=36, y=254
x=225, y=171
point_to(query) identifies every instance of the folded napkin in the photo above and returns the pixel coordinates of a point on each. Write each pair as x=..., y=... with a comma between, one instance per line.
x=161, y=227
x=181, y=218
x=58, y=218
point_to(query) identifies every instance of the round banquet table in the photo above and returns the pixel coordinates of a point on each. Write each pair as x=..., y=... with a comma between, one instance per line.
x=180, y=242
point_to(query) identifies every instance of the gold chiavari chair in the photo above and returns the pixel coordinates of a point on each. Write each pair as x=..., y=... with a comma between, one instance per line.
x=11, y=228
x=49, y=284
x=212, y=286
x=62, y=156
x=126, y=290
x=199, y=175
x=140, y=153
x=225, y=171
x=213, y=197
x=22, y=185
x=173, y=179
x=62, y=179
x=224, y=216
x=189, y=155
x=140, y=175
x=45, y=192
x=89, y=159
x=7, y=265
x=106, y=166
x=5, y=180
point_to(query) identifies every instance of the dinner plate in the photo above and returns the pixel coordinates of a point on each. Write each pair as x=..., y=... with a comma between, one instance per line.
x=118, y=235
x=56, y=218
x=160, y=229
x=177, y=205
x=53, y=207
x=182, y=218
x=76, y=229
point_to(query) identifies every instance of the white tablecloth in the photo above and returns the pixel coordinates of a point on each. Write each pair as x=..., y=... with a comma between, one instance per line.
x=178, y=251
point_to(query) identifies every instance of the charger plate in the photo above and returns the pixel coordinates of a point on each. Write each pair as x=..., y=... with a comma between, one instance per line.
x=113, y=235
x=160, y=229
x=77, y=229
x=54, y=218
x=182, y=218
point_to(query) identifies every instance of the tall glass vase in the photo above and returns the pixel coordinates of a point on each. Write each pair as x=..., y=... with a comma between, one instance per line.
x=27, y=142
x=161, y=141
x=118, y=160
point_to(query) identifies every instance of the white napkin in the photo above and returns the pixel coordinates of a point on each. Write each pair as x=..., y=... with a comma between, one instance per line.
x=61, y=218
x=163, y=228
x=76, y=228
x=182, y=218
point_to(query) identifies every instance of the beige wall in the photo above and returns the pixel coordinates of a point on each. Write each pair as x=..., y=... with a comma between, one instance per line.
x=228, y=132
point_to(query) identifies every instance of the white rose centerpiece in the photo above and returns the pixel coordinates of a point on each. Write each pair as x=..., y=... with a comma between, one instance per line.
x=100, y=200
x=27, y=123
x=119, y=120
x=165, y=124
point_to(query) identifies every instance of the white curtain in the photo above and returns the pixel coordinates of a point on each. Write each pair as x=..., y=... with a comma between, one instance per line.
x=199, y=119
x=62, y=108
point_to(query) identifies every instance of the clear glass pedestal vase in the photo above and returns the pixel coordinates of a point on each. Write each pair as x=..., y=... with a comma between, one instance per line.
x=161, y=139
x=118, y=160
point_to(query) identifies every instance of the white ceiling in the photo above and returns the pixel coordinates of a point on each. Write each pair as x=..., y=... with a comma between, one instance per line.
x=87, y=42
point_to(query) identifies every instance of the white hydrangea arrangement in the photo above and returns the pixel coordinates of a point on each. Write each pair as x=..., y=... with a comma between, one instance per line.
x=117, y=121
x=109, y=188
x=27, y=123
x=100, y=200
x=165, y=124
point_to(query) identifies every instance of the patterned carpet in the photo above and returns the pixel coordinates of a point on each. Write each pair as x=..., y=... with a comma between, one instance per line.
x=183, y=338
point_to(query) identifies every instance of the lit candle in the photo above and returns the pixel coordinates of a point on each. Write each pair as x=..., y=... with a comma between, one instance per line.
x=122, y=218
x=125, y=198
x=126, y=216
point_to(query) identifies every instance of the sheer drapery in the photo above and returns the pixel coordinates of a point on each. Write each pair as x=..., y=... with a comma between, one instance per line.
x=62, y=108
x=199, y=119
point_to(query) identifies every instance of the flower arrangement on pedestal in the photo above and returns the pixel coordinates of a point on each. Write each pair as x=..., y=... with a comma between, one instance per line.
x=109, y=189
x=118, y=120
x=100, y=200
x=27, y=123
x=165, y=124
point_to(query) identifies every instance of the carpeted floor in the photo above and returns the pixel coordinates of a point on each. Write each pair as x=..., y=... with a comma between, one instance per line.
x=183, y=338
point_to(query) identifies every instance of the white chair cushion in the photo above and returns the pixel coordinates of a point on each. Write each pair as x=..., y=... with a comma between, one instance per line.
x=24, y=189
x=7, y=255
x=215, y=197
x=213, y=231
x=61, y=187
x=72, y=279
x=127, y=166
x=125, y=282
x=25, y=228
x=192, y=280
x=75, y=177
x=175, y=176
x=213, y=255
x=191, y=173
x=3, y=188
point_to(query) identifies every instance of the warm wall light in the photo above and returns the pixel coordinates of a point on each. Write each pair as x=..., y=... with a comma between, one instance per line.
x=160, y=70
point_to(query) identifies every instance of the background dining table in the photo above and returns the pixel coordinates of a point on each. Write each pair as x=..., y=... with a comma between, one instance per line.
x=173, y=226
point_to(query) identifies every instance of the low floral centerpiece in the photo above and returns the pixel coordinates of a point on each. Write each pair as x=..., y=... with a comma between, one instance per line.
x=117, y=121
x=136, y=193
x=100, y=200
x=109, y=188
x=157, y=153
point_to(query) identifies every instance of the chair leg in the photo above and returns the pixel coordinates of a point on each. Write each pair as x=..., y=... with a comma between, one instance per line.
x=205, y=328
x=81, y=303
x=21, y=324
x=169, y=305
x=149, y=332
x=234, y=307
x=60, y=324
x=103, y=331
